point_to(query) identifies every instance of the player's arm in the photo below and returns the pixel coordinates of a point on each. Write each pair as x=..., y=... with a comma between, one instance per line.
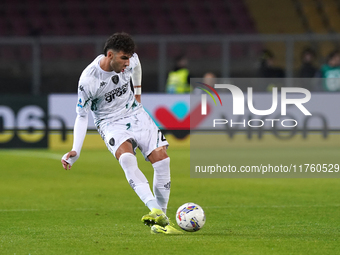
x=137, y=81
x=79, y=133
x=79, y=130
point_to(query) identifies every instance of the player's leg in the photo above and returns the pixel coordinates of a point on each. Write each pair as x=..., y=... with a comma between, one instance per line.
x=134, y=175
x=153, y=145
x=149, y=139
x=161, y=181
x=161, y=186
x=140, y=184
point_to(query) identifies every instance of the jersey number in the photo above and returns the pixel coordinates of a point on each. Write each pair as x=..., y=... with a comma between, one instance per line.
x=161, y=136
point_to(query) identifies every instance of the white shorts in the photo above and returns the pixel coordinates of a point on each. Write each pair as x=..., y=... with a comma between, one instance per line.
x=140, y=129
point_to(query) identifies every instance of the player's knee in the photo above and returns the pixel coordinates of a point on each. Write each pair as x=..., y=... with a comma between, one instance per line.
x=163, y=163
x=127, y=160
x=158, y=155
x=125, y=147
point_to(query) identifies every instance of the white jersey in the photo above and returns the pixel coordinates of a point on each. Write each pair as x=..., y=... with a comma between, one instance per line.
x=109, y=95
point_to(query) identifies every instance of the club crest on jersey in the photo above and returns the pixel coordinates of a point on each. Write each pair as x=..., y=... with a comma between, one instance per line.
x=115, y=79
x=112, y=141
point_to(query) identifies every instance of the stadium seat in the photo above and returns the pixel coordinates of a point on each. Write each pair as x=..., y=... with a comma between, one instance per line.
x=325, y=48
x=241, y=17
x=49, y=52
x=162, y=25
x=147, y=51
x=3, y=29
x=281, y=17
x=174, y=50
x=7, y=52
x=75, y=17
x=213, y=50
x=24, y=52
x=182, y=24
x=19, y=27
x=313, y=16
x=69, y=51
x=143, y=28
x=201, y=20
x=86, y=17
x=332, y=12
x=237, y=50
x=194, y=51
x=224, y=25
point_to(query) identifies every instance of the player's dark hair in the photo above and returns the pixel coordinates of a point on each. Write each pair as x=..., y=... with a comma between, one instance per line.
x=120, y=42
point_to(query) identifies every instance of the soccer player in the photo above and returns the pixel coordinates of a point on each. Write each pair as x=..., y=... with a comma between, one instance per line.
x=111, y=88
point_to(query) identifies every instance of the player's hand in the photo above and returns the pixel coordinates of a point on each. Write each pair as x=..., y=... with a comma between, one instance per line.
x=66, y=157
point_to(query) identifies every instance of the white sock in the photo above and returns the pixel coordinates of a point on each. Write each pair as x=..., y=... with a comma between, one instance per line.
x=135, y=177
x=161, y=182
x=153, y=204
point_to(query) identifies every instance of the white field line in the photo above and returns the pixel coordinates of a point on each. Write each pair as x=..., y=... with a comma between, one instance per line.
x=269, y=206
x=33, y=154
x=205, y=207
x=46, y=210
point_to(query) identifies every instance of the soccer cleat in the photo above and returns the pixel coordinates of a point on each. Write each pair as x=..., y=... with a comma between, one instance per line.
x=156, y=216
x=167, y=230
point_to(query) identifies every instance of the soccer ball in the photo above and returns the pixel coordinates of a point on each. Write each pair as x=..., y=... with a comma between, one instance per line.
x=190, y=217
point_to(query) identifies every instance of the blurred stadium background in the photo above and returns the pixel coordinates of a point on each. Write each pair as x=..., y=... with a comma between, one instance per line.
x=46, y=44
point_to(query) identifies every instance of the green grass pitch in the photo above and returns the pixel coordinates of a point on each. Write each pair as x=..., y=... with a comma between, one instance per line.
x=92, y=209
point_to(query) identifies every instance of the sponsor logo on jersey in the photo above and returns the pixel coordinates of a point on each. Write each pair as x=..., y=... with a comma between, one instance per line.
x=109, y=96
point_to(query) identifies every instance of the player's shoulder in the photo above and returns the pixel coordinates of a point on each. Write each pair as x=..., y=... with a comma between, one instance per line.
x=134, y=60
x=90, y=73
x=93, y=68
x=134, y=56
